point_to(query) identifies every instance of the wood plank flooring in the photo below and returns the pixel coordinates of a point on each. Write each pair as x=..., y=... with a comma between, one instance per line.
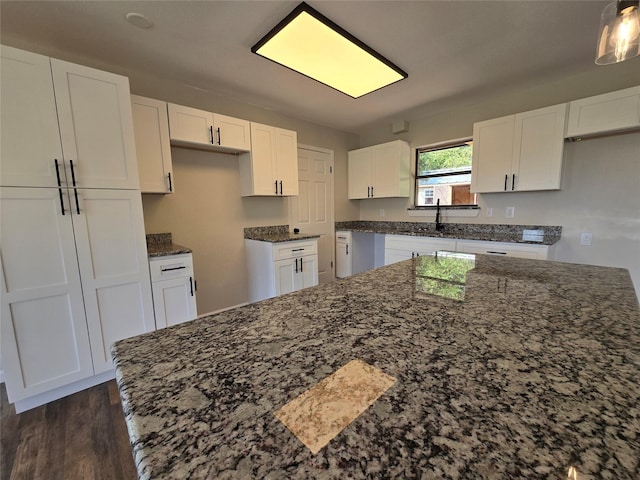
x=79, y=437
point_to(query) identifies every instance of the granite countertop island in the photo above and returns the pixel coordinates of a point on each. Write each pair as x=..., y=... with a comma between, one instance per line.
x=448, y=367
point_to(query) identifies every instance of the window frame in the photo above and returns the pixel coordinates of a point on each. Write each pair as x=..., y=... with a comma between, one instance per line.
x=417, y=178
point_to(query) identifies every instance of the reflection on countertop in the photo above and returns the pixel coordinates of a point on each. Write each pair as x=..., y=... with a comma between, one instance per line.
x=533, y=374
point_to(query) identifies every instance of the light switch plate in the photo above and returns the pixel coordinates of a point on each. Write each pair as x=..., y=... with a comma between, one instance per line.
x=585, y=238
x=509, y=212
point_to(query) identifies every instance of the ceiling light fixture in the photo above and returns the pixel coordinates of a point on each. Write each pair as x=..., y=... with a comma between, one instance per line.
x=619, y=38
x=309, y=43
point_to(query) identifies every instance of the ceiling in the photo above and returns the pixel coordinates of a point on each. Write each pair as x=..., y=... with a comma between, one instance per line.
x=451, y=49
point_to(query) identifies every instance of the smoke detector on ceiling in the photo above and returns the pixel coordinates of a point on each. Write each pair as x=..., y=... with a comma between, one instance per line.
x=138, y=20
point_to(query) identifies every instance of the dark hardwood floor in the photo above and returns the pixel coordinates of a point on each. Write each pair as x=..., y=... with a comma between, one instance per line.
x=80, y=437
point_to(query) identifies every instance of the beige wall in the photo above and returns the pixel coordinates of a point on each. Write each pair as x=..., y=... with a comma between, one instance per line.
x=207, y=212
x=600, y=183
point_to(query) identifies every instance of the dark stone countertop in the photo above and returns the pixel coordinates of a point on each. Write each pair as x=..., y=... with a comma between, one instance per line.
x=275, y=234
x=462, y=231
x=513, y=369
x=161, y=245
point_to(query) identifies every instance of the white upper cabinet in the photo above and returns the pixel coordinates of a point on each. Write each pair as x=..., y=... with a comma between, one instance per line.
x=233, y=133
x=607, y=113
x=211, y=131
x=30, y=143
x=96, y=126
x=380, y=171
x=271, y=169
x=151, y=128
x=521, y=152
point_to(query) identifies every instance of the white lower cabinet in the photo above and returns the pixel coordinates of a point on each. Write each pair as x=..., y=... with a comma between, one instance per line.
x=344, y=255
x=279, y=268
x=523, y=250
x=402, y=247
x=75, y=279
x=174, y=297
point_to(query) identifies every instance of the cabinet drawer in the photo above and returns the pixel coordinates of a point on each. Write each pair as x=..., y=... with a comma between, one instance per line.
x=343, y=237
x=173, y=266
x=294, y=249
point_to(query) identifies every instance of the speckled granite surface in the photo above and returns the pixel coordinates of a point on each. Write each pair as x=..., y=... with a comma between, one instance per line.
x=275, y=234
x=467, y=231
x=532, y=371
x=161, y=245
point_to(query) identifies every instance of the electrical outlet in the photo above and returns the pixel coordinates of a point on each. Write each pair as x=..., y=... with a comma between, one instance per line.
x=585, y=238
x=381, y=213
x=489, y=212
x=509, y=212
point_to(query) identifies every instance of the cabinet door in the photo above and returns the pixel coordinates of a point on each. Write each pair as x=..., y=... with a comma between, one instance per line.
x=287, y=161
x=30, y=140
x=614, y=111
x=395, y=256
x=112, y=255
x=258, y=168
x=286, y=276
x=343, y=260
x=151, y=128
x=233, y=133
x=390, y=170
x=538, y=147
x=174, y=301
x=96, y=126
x=492, y=154
x=190, y=125
x=45, y=343
x=307, y=272
x=359, y=179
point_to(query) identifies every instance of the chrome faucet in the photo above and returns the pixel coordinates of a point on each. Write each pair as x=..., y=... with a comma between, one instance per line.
x=438, y=224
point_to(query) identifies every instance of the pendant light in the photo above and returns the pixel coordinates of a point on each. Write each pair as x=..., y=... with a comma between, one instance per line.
x=619, y=38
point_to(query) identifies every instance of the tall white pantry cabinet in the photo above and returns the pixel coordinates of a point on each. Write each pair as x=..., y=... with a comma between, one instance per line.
x=75, y=275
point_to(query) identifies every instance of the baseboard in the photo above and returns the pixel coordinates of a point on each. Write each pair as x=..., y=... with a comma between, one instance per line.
x=57, y=393
x=223, y=309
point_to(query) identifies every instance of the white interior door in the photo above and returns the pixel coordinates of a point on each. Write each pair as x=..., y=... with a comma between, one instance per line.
x=312, y=210
x=112, y=255
x=45, y=343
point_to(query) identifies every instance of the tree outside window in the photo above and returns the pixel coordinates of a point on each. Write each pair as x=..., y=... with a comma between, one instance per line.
x=443, y=172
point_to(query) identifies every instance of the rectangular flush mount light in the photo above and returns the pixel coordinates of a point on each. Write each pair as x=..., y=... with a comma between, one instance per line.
x=309, y=43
